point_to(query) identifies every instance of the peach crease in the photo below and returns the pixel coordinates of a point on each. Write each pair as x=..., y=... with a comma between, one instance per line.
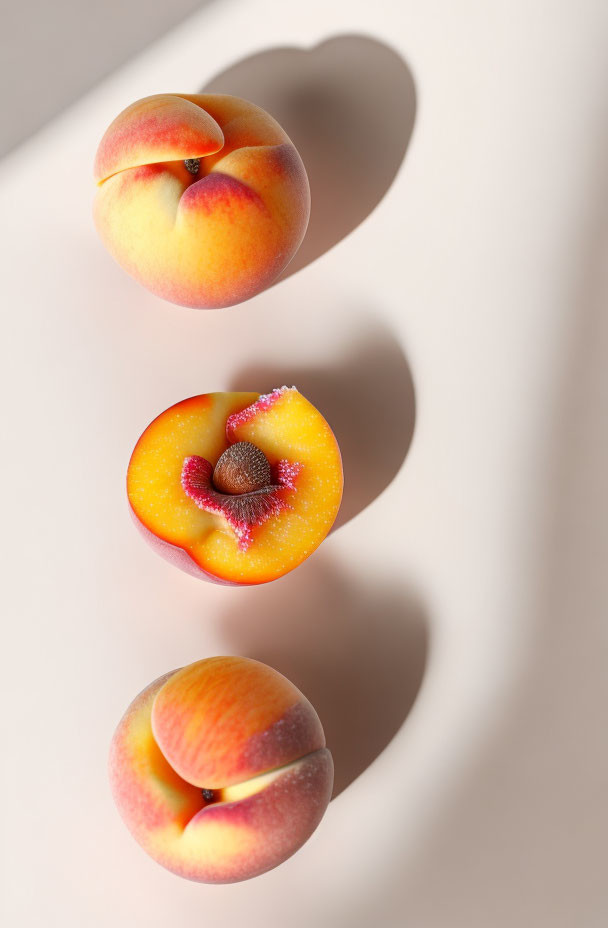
x=243, y=511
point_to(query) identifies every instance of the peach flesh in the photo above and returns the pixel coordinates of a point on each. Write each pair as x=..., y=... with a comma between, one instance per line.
x=172, y=465
x=243, y=511
x=256, y=744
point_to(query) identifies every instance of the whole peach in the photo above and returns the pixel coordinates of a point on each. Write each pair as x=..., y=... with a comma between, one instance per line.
x=220, y=769
x=203, y=199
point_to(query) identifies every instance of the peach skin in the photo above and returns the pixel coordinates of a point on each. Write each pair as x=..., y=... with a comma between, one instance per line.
x=220, y=769
x=203, y=199
x=236, y=488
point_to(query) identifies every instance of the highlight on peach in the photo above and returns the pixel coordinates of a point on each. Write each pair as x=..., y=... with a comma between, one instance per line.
x=220, y=769
x=236, y=488
x=202, y=198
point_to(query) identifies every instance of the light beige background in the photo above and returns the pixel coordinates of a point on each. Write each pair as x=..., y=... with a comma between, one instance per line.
x=51, y=53
x=463, y=609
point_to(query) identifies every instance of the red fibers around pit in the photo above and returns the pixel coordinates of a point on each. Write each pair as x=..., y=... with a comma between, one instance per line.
x=286, y=472
x=243, y=511
x=263, y=403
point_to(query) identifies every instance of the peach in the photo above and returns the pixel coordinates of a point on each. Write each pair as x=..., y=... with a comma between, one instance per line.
x=236, y=488
x=220, y=769
x=204, y=199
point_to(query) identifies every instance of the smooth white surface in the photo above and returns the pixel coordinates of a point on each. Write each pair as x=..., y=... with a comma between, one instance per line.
x=485, y=264
x=52, y=53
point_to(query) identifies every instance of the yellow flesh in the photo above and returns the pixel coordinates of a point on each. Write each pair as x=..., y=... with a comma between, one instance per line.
x=290, y=429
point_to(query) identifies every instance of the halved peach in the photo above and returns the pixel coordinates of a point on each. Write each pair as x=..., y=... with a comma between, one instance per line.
x=237, y=488
x=220, y=769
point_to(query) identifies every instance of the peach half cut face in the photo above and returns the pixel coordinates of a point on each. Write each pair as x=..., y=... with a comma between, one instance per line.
x=220, y=769
x=203, y=199
x=236, y=488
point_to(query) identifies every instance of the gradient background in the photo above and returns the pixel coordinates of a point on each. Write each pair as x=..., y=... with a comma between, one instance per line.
x=447, y=313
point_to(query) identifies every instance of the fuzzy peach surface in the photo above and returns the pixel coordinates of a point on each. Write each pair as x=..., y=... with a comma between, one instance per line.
x=211, y=239
x=240, y=729
x=285, y=426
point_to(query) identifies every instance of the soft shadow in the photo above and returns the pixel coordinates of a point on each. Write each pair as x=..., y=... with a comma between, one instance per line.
x=357, y=651
x=368, y=398
x=89, y=41
x=349, y=105
x=522, y=838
